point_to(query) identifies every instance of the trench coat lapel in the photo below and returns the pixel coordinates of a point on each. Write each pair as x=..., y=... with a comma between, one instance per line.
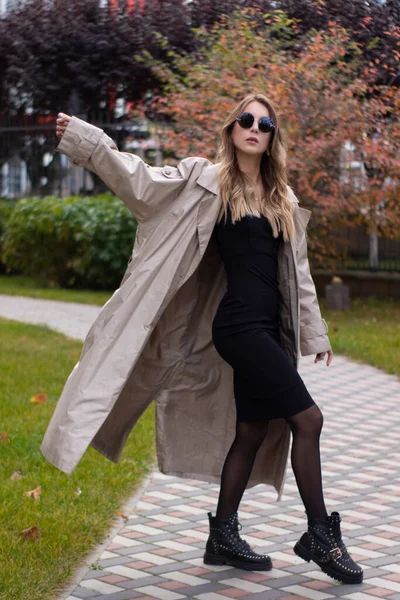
x=209, y=206
x=301, y=219
x=302, y=216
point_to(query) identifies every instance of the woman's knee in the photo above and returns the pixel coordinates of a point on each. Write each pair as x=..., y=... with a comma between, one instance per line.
x=308, y=422
x=317, y=419
x=251, y=434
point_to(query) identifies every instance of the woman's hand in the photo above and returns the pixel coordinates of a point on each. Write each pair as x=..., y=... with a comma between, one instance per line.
x=321, y=356
x=62, y=122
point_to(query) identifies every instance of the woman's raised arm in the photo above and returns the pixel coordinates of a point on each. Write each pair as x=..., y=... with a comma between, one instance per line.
x=144, y=189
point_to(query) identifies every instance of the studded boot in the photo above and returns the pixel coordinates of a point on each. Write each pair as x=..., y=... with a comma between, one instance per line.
x=323, y=544
x=226, y=547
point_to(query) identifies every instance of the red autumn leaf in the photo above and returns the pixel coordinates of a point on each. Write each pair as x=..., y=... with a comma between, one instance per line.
x=35, y=494
x=31, y=533
x=39, y=399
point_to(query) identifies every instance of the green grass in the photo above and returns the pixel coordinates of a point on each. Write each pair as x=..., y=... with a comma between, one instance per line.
x=369, y=332
x=18, y=285
x=35, y=360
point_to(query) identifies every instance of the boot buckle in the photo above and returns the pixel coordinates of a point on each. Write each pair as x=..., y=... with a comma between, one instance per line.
x=338, y=552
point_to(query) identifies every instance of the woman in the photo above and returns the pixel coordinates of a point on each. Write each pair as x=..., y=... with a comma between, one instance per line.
x=259, y=233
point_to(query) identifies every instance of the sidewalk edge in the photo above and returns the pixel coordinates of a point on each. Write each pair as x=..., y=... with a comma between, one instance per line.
x=94, y=554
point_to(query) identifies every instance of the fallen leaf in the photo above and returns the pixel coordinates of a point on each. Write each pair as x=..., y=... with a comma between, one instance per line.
x=39, y=399
x=3, y=436
x=16, y=475
x=22, y=338
x=120, y=514
x=31, y=533
x=78, y=492
x=35, y=494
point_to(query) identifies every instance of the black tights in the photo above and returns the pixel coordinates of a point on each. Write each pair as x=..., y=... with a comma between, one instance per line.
x=305, y=457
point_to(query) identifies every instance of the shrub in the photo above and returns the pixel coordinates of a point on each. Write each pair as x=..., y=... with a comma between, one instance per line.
x=6, y=207
x=74, y=242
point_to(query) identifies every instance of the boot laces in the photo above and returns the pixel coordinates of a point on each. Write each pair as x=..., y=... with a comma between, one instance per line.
x=242, y=544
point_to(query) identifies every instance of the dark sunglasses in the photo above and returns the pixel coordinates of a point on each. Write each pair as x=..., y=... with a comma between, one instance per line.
x=265, y=124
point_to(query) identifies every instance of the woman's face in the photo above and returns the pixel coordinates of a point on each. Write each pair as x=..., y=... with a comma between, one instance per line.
x=252, y=141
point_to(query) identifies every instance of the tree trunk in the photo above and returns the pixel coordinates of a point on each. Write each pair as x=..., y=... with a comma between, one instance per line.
x=373, y=257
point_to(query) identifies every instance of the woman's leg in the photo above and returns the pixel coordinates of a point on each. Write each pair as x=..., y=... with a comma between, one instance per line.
x=224, y=545
x=306, y=429
x=322, y=543
x=238, y=465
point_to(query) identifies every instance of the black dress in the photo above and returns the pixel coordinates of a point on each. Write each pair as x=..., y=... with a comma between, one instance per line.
x=246, y=325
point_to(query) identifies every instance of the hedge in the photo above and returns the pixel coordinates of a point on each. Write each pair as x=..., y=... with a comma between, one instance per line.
x=75, y=242
x=6, y=208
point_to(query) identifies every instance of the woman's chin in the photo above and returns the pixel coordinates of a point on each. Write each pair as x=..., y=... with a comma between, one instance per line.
x=251, y=150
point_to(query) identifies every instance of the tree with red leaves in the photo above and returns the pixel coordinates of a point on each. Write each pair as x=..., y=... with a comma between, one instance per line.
x=328, y=100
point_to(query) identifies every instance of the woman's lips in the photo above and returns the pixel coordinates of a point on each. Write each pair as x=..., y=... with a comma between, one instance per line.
x=252, y=139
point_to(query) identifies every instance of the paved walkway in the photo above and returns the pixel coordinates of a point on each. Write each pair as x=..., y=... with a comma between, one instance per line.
x=70, y=318
x=157, y=552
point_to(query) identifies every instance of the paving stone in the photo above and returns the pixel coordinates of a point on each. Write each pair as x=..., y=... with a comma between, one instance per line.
x=80, y=592
x=341, y=589
x=393, y=550
x=221, y=575
x=268, y=595
x=207, y=588
x=136, y=583
x=288, y=580
x=372, y=572
x=378, y=562
x=125, y=595
x=128, y=551
x=118, y=560
x=95, y=573
x=183, y=556
x=159, y=570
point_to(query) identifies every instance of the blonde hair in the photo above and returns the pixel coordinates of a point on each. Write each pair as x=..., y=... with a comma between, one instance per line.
x=237, y=190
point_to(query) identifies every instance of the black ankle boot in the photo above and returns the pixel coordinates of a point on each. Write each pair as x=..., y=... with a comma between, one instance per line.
x=324, y=545
x=226, y=547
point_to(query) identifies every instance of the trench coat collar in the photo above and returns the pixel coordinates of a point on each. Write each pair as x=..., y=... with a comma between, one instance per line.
x=210, y=206
x=208, y=178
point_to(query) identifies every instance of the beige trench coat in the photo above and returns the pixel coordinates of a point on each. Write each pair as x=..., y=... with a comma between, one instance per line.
x=152, y=339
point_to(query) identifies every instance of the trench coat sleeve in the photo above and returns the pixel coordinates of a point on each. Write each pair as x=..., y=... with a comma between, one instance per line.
x=313, y=328
x=144, y=189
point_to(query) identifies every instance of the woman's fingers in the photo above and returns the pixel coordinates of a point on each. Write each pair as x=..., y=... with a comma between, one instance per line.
x=321, y=355
x=63, y=117
x=62, y=124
